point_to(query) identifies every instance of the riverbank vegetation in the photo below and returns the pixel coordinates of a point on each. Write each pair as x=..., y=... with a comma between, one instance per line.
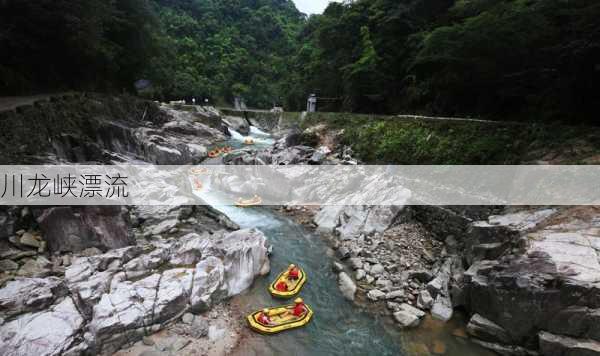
x=519, y=60
x=378, y=139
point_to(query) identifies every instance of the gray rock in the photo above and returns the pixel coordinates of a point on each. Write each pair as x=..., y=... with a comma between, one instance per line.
x=73, y=229
x=439, y=285
x=351, y=221
x=244, y=254
x=393, y=306
x=199, y=328
x=208, y=284
x=360, y=274
x=173, y=294
x=406, y=319
x=375, y=295
x=458, y=296
x=40, y=267
x=556, y=345
x=424, y=301
x=337, y=267
x=88, y=292
x=8, y=265
x=412, y=310
x=384, y=284
x=327, y=219
x=347, y=286
x=343, y=252
x=423, y=276
x=238, y=124
x=25, y=295
x=89, y=252
x=395, y=294
x=30, y=240
x=355, y=263
x=377, y=270
x=57, y=327
x=486, y=330
x=507, y=350
x=188, y=318
x=153, y=260
x=80, y=349
x=442, y=308
x=127, y=307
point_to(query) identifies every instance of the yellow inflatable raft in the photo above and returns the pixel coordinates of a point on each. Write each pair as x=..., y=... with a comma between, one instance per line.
x=248, y=141
x=293, y=285
x=282, y=319
x=244, y=203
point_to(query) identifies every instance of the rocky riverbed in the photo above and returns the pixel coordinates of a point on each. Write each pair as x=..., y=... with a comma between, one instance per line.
x=152, y=280
x=526, y=277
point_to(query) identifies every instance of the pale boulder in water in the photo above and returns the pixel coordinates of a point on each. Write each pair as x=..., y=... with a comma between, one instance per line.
x=347, y=286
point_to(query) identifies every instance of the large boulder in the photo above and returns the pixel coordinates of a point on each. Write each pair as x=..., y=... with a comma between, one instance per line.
x=73, y=229
x=129, y=292
x=328, y=218
x=351, y=221
x=442, y=308
x=406, y=319
x=46, y=333
x=245, y=256
x=486, y=330
x=25, y=295
x=552, y=286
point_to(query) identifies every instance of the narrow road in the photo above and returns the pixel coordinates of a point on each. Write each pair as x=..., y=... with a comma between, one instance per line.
x=9, y=103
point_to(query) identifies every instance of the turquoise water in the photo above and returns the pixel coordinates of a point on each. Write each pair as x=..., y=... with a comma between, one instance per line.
x=338, y=327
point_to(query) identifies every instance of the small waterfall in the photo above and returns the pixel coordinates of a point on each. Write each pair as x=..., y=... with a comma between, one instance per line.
x=258, y=132
x=236, y=135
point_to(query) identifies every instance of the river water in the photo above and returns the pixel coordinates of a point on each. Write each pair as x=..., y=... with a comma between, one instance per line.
x=338, y=327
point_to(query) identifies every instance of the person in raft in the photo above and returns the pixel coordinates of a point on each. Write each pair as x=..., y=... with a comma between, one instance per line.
x=264, y=318
x=299, y=308
x=281, y=286
x=293, y=273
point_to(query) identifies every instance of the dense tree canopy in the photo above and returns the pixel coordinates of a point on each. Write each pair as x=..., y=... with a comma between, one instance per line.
x=63, y=44
x=222, y=48
x=501, y=59
x=506, y=59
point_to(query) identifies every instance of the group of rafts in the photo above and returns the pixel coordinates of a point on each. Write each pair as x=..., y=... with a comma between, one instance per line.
x=217, y=152
x=273, y=320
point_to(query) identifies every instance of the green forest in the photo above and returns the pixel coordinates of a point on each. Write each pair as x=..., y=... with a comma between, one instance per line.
x=518, y=60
